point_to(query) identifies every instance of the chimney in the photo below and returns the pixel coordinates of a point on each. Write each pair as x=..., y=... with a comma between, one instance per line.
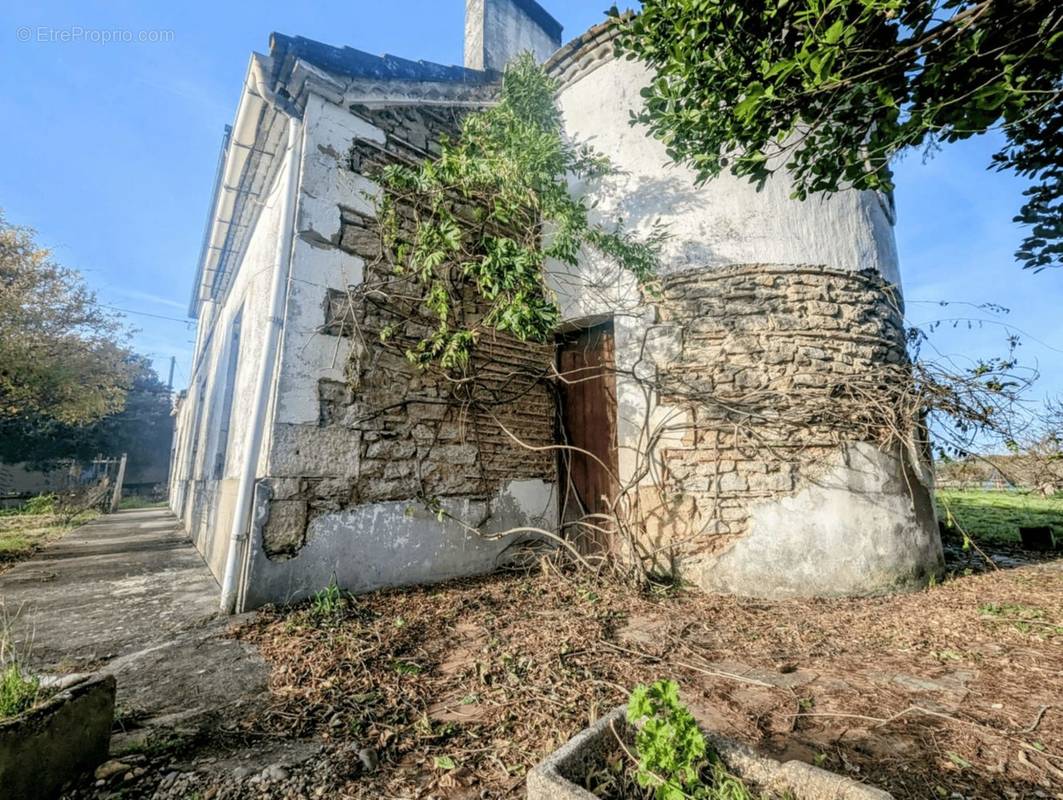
x=497, y=31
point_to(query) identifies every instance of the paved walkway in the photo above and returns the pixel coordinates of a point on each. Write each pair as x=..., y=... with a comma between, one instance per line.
x=129, y=594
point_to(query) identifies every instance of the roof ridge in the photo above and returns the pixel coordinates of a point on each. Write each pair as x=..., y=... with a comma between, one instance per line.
x=352, y=62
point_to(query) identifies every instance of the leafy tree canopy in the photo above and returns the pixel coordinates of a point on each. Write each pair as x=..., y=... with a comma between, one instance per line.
x=831, y=89
x=59, y=355
x=487, y=213
x=142, y=428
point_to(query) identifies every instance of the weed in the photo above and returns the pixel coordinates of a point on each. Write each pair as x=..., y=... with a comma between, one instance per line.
x=948, y=655
x=1020, y=616
x=18, y=691
x=328, y=603
x=41, y=504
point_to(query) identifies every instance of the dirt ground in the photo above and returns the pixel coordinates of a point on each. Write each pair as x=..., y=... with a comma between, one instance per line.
x=953, y=692
x=455, y=691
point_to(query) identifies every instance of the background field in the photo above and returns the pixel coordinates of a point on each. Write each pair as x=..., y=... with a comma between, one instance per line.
x=994, y=517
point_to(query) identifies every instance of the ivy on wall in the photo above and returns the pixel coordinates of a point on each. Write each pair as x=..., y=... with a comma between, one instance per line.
x=476, y=225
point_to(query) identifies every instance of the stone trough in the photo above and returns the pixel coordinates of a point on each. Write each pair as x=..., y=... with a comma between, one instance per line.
x=56, y=741
x=559, y=776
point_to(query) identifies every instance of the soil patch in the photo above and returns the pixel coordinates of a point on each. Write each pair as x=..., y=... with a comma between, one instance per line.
x=458, y=690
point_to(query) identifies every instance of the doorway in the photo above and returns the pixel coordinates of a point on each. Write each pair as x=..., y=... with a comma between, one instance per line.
x=587, y=423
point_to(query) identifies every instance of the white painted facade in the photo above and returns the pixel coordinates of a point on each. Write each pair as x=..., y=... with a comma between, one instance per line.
x=391, y=543
x=374, y=544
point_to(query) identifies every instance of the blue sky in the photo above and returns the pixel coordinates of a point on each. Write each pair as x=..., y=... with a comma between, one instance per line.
x=109, y=149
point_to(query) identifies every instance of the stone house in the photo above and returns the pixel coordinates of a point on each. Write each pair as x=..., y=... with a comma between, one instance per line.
x=712, y=426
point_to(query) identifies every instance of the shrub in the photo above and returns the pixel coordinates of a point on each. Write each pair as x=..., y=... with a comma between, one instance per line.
x=41, y=504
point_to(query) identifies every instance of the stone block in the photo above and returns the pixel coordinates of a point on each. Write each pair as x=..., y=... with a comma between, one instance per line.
x=361, y=241
x=391, y=449
x=733, y=482
x=284, y=533
x=311, y=451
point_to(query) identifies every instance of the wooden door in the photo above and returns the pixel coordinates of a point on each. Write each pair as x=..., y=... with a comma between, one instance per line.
x=587, y=422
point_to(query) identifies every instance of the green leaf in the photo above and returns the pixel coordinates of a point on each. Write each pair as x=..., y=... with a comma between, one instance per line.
x=834, y=33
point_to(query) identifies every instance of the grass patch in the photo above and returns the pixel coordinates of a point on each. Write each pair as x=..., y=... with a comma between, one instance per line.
x=15, y=544
x=21, y=535
x=1023, y=618
x=994, y=517
x=18, y=691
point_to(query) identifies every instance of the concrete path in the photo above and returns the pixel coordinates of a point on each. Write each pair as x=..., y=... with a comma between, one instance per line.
x=128, y=594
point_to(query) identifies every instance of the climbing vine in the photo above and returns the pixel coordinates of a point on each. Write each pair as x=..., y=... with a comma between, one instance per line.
x=470, y=231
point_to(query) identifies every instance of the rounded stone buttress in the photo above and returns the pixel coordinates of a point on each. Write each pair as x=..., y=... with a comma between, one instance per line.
x=763, y=441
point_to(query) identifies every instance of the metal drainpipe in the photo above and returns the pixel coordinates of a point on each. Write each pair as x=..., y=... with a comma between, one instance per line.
x=246, y=488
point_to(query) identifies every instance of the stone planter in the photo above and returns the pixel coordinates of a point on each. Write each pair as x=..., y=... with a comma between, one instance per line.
x=56, y=741
x=558, y=776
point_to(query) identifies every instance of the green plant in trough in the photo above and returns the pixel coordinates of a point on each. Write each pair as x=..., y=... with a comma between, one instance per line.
x=673, y=756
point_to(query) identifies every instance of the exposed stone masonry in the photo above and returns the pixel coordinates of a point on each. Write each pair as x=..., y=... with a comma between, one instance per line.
x=771, y=366
x=412, y=425
x=391, y=432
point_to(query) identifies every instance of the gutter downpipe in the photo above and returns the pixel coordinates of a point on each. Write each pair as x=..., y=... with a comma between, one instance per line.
x=263, y=390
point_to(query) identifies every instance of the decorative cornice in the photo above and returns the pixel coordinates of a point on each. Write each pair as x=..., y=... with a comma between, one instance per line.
x=584, y=54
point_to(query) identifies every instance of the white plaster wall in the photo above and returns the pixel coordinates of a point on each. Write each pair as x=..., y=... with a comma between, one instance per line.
x=250, y=291
x=870, y=527
x=727, y=220
x=377, y=544
x=400, y=543
x=208, y=501
x=723, y=222
x=307, y=355
x=856, y=529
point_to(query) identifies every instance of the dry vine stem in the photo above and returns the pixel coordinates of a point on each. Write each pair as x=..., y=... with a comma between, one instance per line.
x=886, y=404
x=687, y=417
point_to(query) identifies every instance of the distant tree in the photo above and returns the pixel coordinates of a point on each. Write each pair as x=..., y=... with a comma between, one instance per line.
x=142, y=428
x=830, y=90
x=60, y=357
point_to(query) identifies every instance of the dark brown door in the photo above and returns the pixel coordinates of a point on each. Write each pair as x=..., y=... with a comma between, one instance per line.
x=588, y=424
